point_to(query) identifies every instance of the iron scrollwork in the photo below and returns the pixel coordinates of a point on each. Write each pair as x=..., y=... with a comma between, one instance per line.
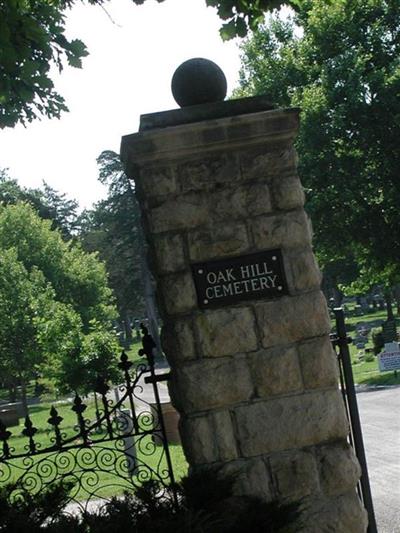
x=124, y=446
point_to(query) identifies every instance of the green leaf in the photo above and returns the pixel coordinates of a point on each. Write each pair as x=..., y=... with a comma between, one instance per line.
x=228, y=30
x=74, y=61
x=78, y=48
x=241, y=27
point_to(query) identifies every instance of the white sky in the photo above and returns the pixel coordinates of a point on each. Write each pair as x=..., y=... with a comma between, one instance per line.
x=127, y=73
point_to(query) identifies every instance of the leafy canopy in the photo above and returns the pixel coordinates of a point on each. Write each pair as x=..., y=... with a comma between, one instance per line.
x=113, y=229
x=56, y=307
x=25, y=301
x=243, y=15
x=339, y=61
x=32, y=40
x=47, y=202
x=78, y=278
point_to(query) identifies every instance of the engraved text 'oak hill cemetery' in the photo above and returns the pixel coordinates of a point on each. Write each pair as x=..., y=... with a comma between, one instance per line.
x=228, y=281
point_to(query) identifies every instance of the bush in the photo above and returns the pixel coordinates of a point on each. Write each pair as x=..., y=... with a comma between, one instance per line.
x=205, y=504
x=369, y=357
x=377, y=340
x=21, y=512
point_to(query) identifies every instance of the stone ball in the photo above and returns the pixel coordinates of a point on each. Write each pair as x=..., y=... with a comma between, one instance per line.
x=198, y=81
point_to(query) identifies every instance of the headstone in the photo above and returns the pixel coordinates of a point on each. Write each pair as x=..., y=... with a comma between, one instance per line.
x=364, y=305
x=389, y=358
x=9, y=416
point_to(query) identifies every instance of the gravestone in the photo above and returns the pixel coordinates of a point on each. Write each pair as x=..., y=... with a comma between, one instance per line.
x=245, y=325
x=389, y=358
x=9, y=415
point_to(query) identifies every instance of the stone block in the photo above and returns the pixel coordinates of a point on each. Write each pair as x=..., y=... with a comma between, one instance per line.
x=288, y=192
x=251, y=477
x=157, y=181
x=226, y=331
x=303, y=271
x=343, y=514
x=291, y=422
x=294, y=474
x=198, y=440
x=177, y=340
x=187, y=211
x=279, y=231
x=258, y=199
x=265, y=161
x=339, y=468
x=169, y=252
x=209, y=384
x=292, y=319
x=218, y=241
x=179, y=293
x=240, y=202
x=276, y=371
x=207, y=173
x=209, y=438
x=318, y=363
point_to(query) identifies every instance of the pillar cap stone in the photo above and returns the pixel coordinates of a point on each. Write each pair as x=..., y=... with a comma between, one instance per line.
x=198, y=81
x=203, y=112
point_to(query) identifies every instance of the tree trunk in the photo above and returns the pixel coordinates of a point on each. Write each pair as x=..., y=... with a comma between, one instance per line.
x=127, y=328
x=397, y=297
x=12, y=392
x=337, y=295
x=24, y=399
x=389, y=306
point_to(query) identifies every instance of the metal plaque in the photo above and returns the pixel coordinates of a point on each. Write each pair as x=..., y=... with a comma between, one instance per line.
x=228, y=281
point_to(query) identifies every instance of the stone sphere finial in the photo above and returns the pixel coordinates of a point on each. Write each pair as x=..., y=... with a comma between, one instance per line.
x=198, y=81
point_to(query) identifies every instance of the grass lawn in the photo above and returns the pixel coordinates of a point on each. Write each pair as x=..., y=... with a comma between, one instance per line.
x=132, y=353
x=367, y=372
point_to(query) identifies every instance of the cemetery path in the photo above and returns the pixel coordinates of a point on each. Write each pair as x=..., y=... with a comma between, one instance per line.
x=380, y=419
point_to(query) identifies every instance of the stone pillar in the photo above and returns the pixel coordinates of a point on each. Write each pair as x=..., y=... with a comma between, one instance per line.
x=254, y=379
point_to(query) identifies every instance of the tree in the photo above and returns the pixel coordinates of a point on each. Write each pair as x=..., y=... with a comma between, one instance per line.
x=32, y=40
x=27, y=307
x=78, y=278
x=113, y=229
x=23, y=296
x=55, y=305
x=47, y=202
x=339, y=62
x=61, y=211
x=245, y=15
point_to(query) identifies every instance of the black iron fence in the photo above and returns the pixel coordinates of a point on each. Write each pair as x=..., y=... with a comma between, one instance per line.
x=123, y=445
x=340, y=342
x=125, y=442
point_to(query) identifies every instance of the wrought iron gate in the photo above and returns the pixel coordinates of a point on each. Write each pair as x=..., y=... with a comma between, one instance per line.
x=122, y=447
x=340, y=342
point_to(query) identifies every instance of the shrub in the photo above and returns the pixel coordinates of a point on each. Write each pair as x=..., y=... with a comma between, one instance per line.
x=205, y=504
x=21, y=512
x=377, y=340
